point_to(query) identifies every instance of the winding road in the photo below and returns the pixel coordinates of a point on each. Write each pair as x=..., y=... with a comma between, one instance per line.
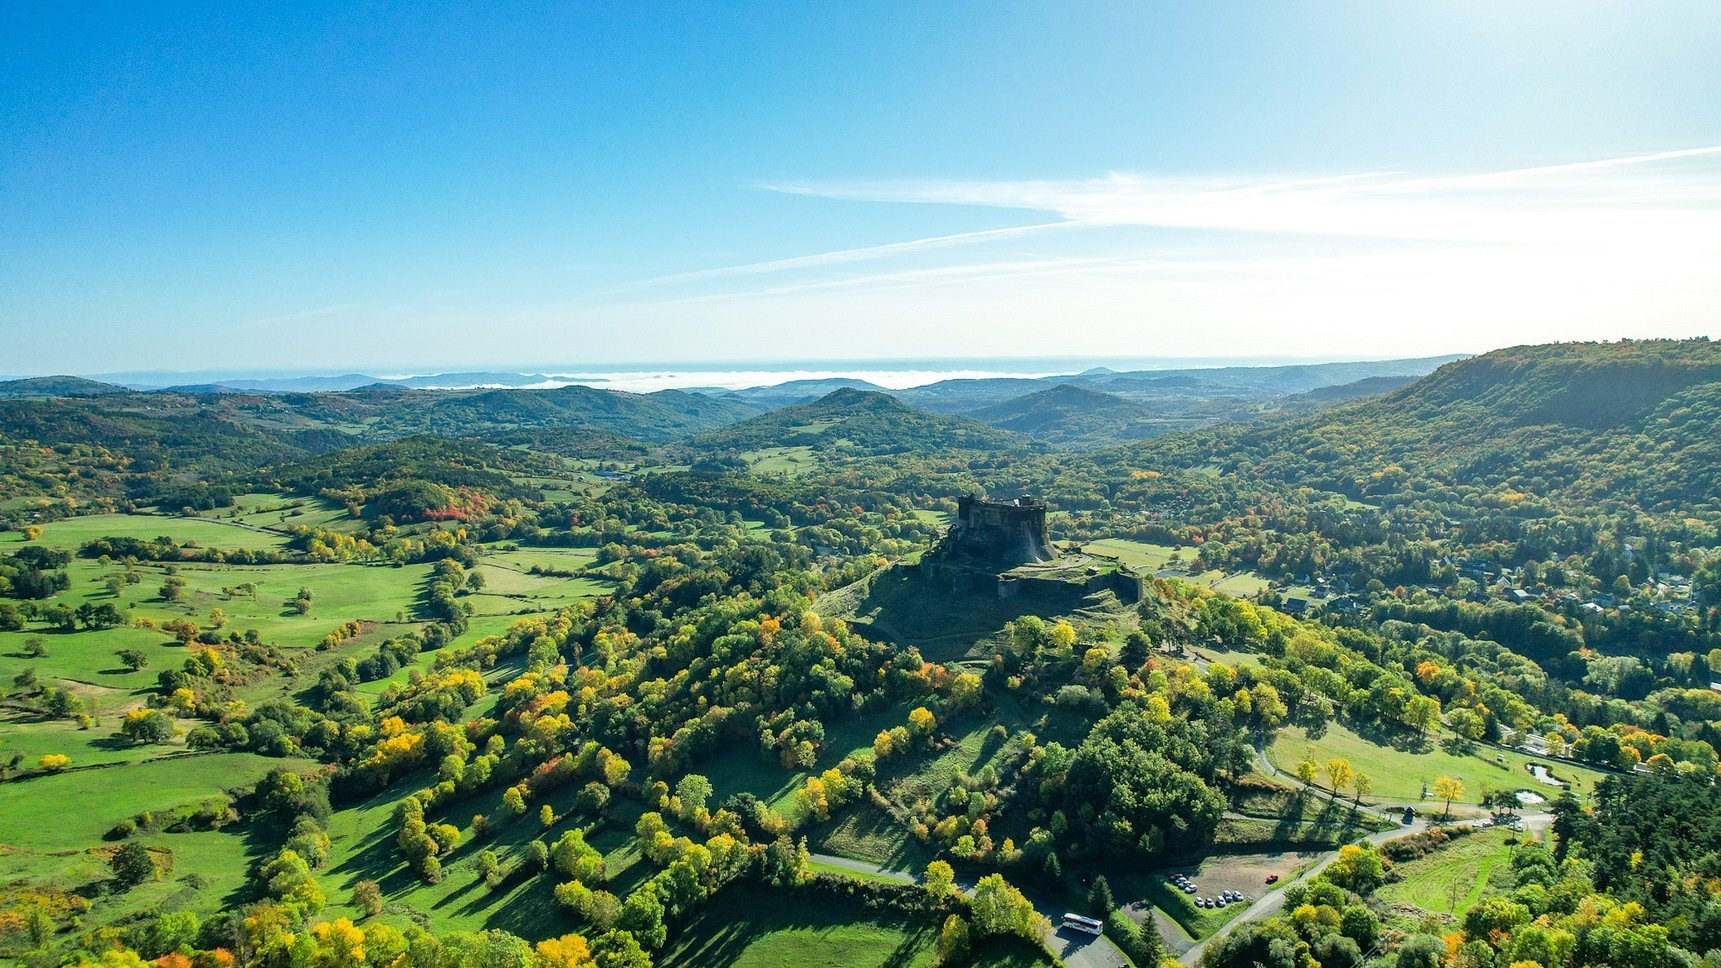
x=1274, y=902
x=1086, y=951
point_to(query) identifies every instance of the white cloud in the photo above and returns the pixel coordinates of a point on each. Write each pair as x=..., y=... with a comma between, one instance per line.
x=1647, y=196
x=1378, y=263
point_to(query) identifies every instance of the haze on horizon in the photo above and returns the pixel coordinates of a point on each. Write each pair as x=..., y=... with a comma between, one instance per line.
x=324, y=187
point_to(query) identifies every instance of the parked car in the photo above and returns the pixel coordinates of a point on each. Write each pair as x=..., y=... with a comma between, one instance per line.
x=1272, y=878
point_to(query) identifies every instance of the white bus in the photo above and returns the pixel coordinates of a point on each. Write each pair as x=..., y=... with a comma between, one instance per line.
x=1085, y=925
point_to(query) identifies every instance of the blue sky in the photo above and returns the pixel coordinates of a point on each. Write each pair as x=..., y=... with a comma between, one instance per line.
x=379, y=185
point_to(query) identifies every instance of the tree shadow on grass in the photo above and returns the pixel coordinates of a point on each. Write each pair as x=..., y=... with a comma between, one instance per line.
x=741, y=917
x=259, y=846
x=528, y=910
x=866, y=823
x=1403, y=740
x=113, y=744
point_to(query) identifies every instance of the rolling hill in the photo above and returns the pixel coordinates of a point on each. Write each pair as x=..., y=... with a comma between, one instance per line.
x=1366, y=387
x=858, y=423
x=1634, y=422
x=57, y=386
x=655, y=417
x=1070, y=416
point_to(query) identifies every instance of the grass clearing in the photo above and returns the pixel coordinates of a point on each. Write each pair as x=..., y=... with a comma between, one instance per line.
x=1151, y=558
x=1399, y=772
x=1450, y=880
x=72, y=810
x=782, y=460
x=821, y=867
x=1136, y=554
x=73, y=533
x=743, y=928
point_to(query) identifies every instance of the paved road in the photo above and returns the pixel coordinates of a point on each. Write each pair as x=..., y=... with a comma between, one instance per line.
x=1274, y=902
x=1268, y=768
x=1078, y=950
x=1086, y=951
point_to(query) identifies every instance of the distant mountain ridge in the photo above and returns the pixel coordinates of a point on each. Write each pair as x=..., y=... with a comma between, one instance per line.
x=57, y=386
x=857, y=422
x=961, y=392
x=1072, y=416
x=1628, y=423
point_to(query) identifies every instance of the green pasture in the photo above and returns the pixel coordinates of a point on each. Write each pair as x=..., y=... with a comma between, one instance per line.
x=340, y=593
x=821, y=867
x=866, y=832
x=863, y=831
x=1450, y=880
x=557, y=559
x=87, y=657
x=72, y=810
x=37, y=736
x=1136, y=554
x=755, y=929
x=1149, y=557
x=73, y=533
x=1227, y=656
x=742, y=768
x=362, y=846
x=507, y=578
x=285, y=511
x=1398, y=769
x=782, y=460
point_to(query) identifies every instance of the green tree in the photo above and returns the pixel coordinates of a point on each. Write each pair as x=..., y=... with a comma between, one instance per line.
x=147, y=726
x=1100, y=901
x=642, y=916
x=619, y=949
x=1449, y=789
x=367, y=897
x=940, y=878
x=1000, y=909
x=132, y=864
x=692, y=791
x=953, y=943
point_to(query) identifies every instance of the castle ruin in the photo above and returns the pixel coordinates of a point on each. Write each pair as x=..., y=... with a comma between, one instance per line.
x=1002, y=532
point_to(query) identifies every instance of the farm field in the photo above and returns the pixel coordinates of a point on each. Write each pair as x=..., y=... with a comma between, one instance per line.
x=1397, y=775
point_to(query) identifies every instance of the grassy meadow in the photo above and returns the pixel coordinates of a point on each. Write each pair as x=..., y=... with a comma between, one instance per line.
x=1397, y=772
x=740, y=929
x=1450, y=880
x=1150, y=558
